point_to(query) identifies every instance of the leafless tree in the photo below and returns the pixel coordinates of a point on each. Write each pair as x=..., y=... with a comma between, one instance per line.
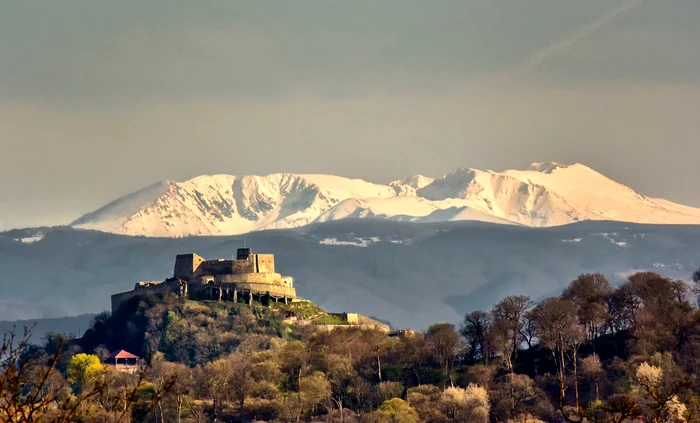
x=475, y=329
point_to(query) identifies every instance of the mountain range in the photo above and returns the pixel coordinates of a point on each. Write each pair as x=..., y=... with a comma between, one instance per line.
x=411, y=252
x=541, y=195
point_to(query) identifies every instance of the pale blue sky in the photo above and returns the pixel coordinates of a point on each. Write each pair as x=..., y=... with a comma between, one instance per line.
x=100, y=98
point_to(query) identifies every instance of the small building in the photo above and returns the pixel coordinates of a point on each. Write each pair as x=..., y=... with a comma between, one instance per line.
x=124, y=361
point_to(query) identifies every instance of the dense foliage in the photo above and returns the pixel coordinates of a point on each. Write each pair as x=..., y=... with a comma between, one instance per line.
x=594, y=354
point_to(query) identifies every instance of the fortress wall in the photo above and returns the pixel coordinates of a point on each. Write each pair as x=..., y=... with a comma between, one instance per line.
x=272, y=289
x=122, y=297
x=163, y=287
x=186, y=265
x=243, y=266
x=264, y=278
x=265, y=263
x=351, y=318
x=329, y=328
x=216, y=267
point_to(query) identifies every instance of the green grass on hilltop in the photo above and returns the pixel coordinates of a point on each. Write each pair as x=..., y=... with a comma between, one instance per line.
x=302, y=309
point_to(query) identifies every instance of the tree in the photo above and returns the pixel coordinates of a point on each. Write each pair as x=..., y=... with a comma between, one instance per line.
x=395, y=410
x=216, y=384
x=388, y=390
x=663, y=313
x=475, y=329
x=574, y=338
x=292, y=408
x=240, y=379
x=588, y=292
x=340, y=374
x=592, y=370
x=622, y=306
x=444, y=342
x=470, y=405
x=315, y=390
x=509, y=317
x=659, y=394
x=412, y=353
x=513, y=395
x=378, y=345
x=85, y=370
x=294, y=356
x=501, y=339
x=33, y=390
x=555, y=319
x=361, y=390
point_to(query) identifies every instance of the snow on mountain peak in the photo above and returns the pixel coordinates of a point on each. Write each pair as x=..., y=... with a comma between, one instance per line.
x=409, y=185
x=542, y=194
x=545, y=167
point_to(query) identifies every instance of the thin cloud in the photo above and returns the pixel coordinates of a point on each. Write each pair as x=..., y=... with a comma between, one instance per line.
x=546, y=53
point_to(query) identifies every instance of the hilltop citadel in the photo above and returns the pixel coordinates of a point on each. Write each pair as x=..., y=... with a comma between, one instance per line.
x=247, y=279
x=250, y=277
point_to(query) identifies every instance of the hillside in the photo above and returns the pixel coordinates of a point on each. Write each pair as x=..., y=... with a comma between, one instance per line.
x=410, y=274
x=73, y=326
x=541, y=195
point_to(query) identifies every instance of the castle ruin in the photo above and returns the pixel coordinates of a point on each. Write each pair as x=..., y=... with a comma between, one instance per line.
x=250, y=277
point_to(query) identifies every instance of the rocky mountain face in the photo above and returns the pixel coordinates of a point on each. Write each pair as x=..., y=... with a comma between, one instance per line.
x=542, y=195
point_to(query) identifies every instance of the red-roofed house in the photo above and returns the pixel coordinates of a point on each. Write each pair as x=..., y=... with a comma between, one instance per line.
x=124, y=361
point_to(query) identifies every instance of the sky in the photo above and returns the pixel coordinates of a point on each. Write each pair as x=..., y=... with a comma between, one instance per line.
x=101, y=98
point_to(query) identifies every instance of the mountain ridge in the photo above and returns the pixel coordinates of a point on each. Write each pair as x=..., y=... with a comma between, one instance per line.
x=540, y=195
x=405, y=272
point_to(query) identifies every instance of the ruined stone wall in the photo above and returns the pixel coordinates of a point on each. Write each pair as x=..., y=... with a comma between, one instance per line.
x=172, y=285
x=351, y=318
x=329, y=328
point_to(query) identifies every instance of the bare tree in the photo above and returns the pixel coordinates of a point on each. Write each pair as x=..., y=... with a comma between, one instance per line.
x=445, y=344
x=509, y=315
x=475, y=329
x=588, y=292
x=555, y=318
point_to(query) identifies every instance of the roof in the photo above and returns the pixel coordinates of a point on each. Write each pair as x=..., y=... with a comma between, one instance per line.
x=121, y=354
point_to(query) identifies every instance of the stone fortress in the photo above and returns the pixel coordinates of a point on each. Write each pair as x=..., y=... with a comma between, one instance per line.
x=250, y=277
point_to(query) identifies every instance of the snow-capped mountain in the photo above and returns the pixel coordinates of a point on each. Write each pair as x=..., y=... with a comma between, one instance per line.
x=543, y=194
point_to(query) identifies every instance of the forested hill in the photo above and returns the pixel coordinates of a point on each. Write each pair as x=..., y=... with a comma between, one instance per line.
x=594, y=353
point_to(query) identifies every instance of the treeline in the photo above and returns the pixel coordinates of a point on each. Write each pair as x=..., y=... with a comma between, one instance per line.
x=594, y=354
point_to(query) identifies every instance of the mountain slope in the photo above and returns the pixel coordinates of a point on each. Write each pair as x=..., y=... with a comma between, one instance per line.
x=411, y=274
x=227, y=204
x=543, y=194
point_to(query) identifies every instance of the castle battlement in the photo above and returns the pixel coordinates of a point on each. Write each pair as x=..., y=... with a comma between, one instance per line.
x=249, y=277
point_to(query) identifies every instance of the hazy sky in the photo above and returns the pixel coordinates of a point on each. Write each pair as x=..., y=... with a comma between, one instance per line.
x=100, y=98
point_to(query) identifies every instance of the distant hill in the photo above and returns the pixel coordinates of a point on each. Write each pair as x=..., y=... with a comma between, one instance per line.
x=543, y=194
x=410, y=274
x=74, y=326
